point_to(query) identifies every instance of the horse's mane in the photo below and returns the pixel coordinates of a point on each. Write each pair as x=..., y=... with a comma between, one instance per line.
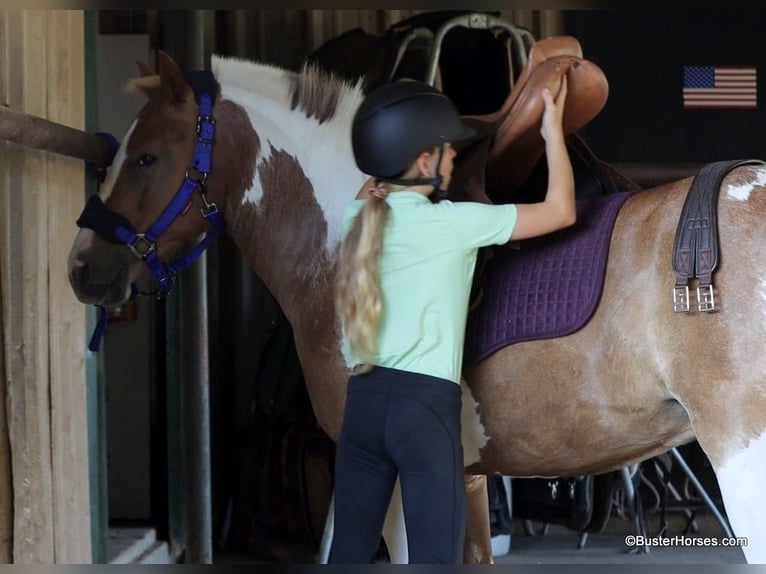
x=309, y=113
x=319, y=93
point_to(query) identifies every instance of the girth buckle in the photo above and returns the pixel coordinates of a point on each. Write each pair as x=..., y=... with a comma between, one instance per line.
x=705, y=299
x=681, y=299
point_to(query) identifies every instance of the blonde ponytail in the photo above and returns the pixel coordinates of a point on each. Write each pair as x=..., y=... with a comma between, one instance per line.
x=358, y=299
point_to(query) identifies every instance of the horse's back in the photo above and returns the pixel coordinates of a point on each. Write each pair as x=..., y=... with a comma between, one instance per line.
x=638, y=378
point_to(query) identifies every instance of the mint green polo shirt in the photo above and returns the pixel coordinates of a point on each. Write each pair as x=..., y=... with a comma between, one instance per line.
x=426, y=271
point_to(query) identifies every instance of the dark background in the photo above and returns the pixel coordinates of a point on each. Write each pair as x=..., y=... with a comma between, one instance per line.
x=642, y=54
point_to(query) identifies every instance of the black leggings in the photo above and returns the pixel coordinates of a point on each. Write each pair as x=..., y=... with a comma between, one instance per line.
x=405, y=423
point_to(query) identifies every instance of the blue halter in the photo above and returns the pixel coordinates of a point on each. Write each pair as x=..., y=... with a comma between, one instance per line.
x=116, y=228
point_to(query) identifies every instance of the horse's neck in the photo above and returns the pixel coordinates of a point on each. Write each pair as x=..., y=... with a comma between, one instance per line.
x=283, y=199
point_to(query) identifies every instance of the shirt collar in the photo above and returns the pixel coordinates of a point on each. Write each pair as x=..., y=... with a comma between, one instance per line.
x=406, y=196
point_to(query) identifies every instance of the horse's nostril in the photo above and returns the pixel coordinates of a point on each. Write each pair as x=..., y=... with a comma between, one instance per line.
x=80, y=272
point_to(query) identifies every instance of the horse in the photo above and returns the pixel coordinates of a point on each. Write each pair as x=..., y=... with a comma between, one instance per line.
x=635, y=380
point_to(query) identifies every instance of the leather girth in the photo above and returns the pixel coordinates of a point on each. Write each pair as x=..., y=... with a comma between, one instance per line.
x=695, y=250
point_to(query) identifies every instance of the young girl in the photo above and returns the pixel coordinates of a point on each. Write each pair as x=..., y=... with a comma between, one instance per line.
x=403, y=286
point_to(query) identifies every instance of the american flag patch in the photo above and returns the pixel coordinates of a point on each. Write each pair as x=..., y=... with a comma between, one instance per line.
x=719, y=87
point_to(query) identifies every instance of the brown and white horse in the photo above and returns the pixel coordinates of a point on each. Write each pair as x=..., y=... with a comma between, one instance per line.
x=635, y=381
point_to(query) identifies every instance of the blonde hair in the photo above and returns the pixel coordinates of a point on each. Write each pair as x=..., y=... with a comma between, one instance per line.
x=358, y=298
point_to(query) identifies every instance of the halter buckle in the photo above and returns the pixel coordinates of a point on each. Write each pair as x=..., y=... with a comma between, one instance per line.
x=141, y=246
x=208, y=210
x=206, y=129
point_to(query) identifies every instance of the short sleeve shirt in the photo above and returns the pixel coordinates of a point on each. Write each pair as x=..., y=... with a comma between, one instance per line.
x=426, y=270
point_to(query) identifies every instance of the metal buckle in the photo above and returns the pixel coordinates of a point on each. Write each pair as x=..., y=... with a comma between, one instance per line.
x=141, y=247
x=210, y=120
x=208, y=210
x=705, y=299
x=681, y=299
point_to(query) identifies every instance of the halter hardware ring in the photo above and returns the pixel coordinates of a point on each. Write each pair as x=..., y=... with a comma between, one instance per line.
x=201, y=181
x=141, y=246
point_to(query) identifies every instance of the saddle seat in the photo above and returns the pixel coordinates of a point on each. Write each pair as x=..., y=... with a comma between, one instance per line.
x=516, y=144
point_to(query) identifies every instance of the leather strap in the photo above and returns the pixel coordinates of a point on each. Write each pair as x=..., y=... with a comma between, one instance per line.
x=695, y=250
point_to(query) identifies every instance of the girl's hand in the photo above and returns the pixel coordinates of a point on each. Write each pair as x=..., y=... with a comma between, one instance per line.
x=369, y=189
x=554, y=111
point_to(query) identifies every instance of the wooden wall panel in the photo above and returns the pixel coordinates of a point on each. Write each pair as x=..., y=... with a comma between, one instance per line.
x=43, y=324
x=65, y=190
x=6, y=486
x=24, y=305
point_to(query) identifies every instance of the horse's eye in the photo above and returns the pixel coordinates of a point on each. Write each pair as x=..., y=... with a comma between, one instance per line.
x=146, y=160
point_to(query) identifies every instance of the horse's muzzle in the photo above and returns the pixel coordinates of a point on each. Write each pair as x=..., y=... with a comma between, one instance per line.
x=107, y=286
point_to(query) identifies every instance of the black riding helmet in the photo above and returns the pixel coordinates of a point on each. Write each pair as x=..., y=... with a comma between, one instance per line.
x=398, y=121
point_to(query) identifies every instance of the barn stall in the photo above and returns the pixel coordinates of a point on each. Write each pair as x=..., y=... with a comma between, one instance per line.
x=93, y=444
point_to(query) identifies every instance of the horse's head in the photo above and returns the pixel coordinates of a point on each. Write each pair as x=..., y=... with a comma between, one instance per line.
x=159, y=162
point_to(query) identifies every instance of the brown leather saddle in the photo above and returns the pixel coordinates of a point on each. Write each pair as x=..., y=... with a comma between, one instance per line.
x=493, y=168
x=516, y=144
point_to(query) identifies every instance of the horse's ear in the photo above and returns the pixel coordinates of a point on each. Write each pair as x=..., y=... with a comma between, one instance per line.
x=145, y=69
x=172, y=78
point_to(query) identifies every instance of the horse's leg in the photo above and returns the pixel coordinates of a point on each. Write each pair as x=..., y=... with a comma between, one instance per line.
x=394, y=531
x=740, y=477
x=477, y=548
x=732, y=432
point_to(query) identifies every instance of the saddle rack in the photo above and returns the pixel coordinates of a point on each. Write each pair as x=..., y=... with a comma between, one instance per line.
x=518, y=41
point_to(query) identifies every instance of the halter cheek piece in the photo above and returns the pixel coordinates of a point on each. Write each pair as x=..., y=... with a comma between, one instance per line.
x=116, y=228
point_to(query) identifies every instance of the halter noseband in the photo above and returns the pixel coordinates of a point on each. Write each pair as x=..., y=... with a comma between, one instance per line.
x=116, y=228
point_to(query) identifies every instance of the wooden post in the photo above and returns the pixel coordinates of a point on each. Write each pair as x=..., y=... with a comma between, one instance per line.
x=6, y=488
x=43, y=324
x=66, y=330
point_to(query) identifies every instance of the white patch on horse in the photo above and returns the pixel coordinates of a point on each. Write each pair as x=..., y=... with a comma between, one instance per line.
x=84, y=237
x=474, y=437
x=740, y=479
x=322, y=150
x=105, y=189
x=742, y=192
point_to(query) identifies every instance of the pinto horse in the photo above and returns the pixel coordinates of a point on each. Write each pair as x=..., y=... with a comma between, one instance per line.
x=635, y=380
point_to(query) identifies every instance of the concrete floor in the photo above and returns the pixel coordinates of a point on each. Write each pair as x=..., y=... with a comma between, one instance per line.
x=559, y=545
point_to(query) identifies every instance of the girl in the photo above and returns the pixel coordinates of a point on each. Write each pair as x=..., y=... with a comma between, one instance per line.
x=403, y=286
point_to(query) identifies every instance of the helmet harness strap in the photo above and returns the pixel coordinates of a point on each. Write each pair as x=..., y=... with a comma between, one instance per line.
x=435, y=182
